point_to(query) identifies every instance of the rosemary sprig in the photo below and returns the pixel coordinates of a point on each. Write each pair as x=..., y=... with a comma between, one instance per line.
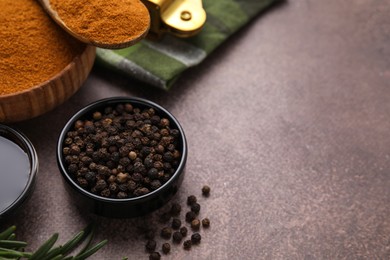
x=13, y=249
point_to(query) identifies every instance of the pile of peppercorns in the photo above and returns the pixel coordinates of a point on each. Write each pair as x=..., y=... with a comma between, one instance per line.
x=122, y=151
x=177, y=230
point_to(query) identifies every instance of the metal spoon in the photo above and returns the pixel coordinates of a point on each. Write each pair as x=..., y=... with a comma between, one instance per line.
x=96, y=41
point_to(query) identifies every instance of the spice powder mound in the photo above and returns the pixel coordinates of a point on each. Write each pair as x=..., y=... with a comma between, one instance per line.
x=33, y=48
x=102, y=21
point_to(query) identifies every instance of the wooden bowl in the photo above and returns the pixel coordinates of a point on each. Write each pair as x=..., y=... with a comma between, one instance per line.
x=49, y=94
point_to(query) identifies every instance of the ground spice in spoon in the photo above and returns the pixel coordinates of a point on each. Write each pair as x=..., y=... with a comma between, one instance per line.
x=33, y=48
x=105, y=21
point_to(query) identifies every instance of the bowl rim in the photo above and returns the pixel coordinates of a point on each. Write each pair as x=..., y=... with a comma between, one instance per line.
x=115, y=100
x=33, y=160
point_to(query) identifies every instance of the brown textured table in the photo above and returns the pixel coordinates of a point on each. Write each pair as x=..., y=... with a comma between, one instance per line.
x=288, y=122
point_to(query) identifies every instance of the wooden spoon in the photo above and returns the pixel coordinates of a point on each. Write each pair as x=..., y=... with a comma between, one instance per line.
x=121, y=30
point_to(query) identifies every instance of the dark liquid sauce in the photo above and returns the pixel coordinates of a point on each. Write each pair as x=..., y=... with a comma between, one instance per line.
x=14, y=172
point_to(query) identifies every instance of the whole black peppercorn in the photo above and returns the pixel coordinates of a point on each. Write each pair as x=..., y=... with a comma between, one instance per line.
x=153, y=173
x=155, y=184
x=100, y=185
x=111, y=179
x=158, y=165
x=175, y=132
x=137, y=177
x=176, y=223
x=167, y=166
x=206, y=191
x=166, y=248
x=90, y=177
x=187, y=244
x=97, y=115
x=105, y=193
x=147, y=182
x=164, y=122
x=190, y=216
x=177, y=237
x=141, y=191
x=122, y=177
x=131, y=185
x=205, y=222
x=164, y=132
x=191, y=200
x=168, y=156
x=195, y=238
x=139, y=167
x=195, y=207
x=82, y=182
x=124, y=161
x=155, y=119
x=128, y=107
x=183, y=231
x=155, y=256
x=166, y=233
x=132, y=155
x=68, y=141
x=146, y=150
x=72, y=168
x=121, y=195
x=195, y=224
x=114, y=187
x=176, y=154
x=166, y=177
x=148, y=162
x=150, y=246
x=66, y=150
x=123, y=187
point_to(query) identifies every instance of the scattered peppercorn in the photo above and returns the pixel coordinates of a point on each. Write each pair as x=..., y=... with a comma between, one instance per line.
x=187, y=244
x=122, y=143
x=166, y=233
x=176, y=223
x=195, y=238
x=205, y=222
x=155, y=256
x=177, y=237
x=184, y=231
x=195, y=224
x=166, y=248
x=190, y=216
x=195, y=207
x=150, y=246
x=206, y=191
x=191, y=200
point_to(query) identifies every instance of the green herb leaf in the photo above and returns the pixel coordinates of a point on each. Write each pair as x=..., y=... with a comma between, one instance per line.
x=13, y=249
x=90, y=251
x=58, y=257
x=45, y=248
x=5, y=235
x=90, y=231
x=12, y=244
x=10, y=253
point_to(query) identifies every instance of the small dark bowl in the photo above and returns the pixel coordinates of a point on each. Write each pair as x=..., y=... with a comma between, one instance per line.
x=129, y=207
x=24, y=143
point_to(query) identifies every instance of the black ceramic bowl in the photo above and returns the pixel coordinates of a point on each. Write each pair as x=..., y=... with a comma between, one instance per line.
x=131, y=206
x=18, y=168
